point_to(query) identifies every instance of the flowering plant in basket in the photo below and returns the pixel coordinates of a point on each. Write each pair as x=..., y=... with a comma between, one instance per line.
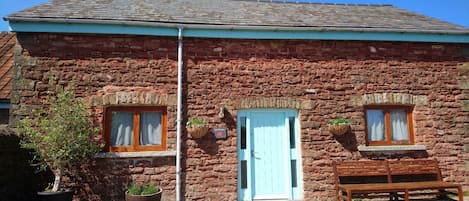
x=197, y=128
x=339, y=126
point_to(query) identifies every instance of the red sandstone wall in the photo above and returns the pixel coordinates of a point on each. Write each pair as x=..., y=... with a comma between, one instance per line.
x=331, y=76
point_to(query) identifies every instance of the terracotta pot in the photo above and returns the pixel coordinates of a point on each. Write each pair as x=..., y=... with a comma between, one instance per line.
x=66, y=195
x=151, y=197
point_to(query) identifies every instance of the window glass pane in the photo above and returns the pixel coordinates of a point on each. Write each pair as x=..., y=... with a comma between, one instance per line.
x=244, y=174
x=294, y=182
x=375, y=122
x=243, y=132
x=291, y=122
x=150, y=128
x=122, y=128
x=399, y=127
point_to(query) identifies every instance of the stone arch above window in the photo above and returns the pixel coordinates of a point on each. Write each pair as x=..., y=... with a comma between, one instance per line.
x=388, y=98
x=138, y=97
x=272, y=102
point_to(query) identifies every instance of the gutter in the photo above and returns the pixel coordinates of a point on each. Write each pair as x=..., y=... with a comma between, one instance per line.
x=231, y=26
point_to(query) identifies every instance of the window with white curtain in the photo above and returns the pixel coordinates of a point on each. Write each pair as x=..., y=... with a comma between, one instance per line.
x=135, y=128
x=389, y=124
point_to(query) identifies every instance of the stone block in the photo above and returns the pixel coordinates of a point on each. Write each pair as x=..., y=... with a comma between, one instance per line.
x=96, y=100
x=112, y=99
x=356, y=100
x=397, y=98
x=123, y=97
x=463, y=68
x=465, y=105
x=172, y=100
x=378, y=99
x=24, y=84
x=368, y=99
x=307, y=104
x=463, y=84
x=420, y=100
x=310, y=124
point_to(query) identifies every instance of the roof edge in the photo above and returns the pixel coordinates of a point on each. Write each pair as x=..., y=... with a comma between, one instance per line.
x=231, y=31
x=224, y=26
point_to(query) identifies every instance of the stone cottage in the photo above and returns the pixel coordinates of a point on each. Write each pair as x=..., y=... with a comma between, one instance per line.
x=269, y=74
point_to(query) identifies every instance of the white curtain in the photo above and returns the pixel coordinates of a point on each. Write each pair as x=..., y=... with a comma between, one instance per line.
x=150, y=128
x=122, y=128
x=399, y=125
x=375, y=122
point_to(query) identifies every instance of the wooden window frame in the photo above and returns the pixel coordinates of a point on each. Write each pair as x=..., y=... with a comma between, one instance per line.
x=135, y=147
x=387, y=124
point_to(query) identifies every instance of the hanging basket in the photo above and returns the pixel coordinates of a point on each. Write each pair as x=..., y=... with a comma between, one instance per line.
x=198, y=131
x=339, y=129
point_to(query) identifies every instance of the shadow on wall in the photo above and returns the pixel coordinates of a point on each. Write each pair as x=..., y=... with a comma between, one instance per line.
x=18, y=180
x=348, y=141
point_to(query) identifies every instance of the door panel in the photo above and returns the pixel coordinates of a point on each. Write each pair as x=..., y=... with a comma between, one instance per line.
x=268, y=156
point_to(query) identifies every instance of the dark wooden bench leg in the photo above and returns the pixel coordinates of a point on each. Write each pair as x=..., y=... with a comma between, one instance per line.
x=406, y=195
x=349, y=196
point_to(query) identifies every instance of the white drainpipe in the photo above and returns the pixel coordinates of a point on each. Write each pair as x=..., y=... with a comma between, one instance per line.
x=179, y=117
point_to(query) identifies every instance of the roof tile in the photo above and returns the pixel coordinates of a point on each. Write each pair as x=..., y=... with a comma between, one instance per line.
x=241, y=13
x=7, y=43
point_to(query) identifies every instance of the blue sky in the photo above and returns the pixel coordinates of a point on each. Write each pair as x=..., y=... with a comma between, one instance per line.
x=454, y=11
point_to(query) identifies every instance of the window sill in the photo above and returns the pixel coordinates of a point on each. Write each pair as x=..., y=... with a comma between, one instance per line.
x=143, y=154
x=392, y=148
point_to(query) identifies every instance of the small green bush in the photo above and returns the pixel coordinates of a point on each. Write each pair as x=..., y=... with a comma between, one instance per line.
x=196, y=122
x=61, y=135
x=135, y=190
x=339, y=121
x=148, y=190
x=142, y=190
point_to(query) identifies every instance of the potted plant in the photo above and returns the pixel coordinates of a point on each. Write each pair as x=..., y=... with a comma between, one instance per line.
x=197, y=128
x=143, y=193
x=339, y=126
x=61, y=137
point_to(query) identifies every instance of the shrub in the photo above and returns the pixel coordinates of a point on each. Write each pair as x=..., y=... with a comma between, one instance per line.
x=62, y=135
x=142, y=190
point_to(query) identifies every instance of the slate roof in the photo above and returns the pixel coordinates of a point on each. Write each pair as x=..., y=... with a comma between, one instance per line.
x=238, y=13
x=7, y=44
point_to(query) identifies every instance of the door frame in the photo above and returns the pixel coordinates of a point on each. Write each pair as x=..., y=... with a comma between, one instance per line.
x=244, y=153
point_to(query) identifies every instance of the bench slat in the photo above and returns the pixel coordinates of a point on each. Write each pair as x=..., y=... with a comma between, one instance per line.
x=396, y=187
x=393, y=170
x=364, y=168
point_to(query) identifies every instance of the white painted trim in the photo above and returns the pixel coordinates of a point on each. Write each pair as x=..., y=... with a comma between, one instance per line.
x=393, y=148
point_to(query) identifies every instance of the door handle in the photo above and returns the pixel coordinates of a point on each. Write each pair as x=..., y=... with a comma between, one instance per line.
x=253, y=154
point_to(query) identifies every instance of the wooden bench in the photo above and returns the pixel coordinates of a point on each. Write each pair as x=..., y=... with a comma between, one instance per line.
x=389, y=176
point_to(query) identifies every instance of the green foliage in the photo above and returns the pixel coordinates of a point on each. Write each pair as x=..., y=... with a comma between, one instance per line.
x=142, y=190
x=148, y=190
x=339, y=121
x=196, y=122
x=61, y=135
x=135, y=190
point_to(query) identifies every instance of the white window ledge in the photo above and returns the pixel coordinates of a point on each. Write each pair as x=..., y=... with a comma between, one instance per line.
x=392, y=148
x=142, y=154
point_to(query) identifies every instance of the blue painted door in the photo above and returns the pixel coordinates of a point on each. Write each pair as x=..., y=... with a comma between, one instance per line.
x=268, y=156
